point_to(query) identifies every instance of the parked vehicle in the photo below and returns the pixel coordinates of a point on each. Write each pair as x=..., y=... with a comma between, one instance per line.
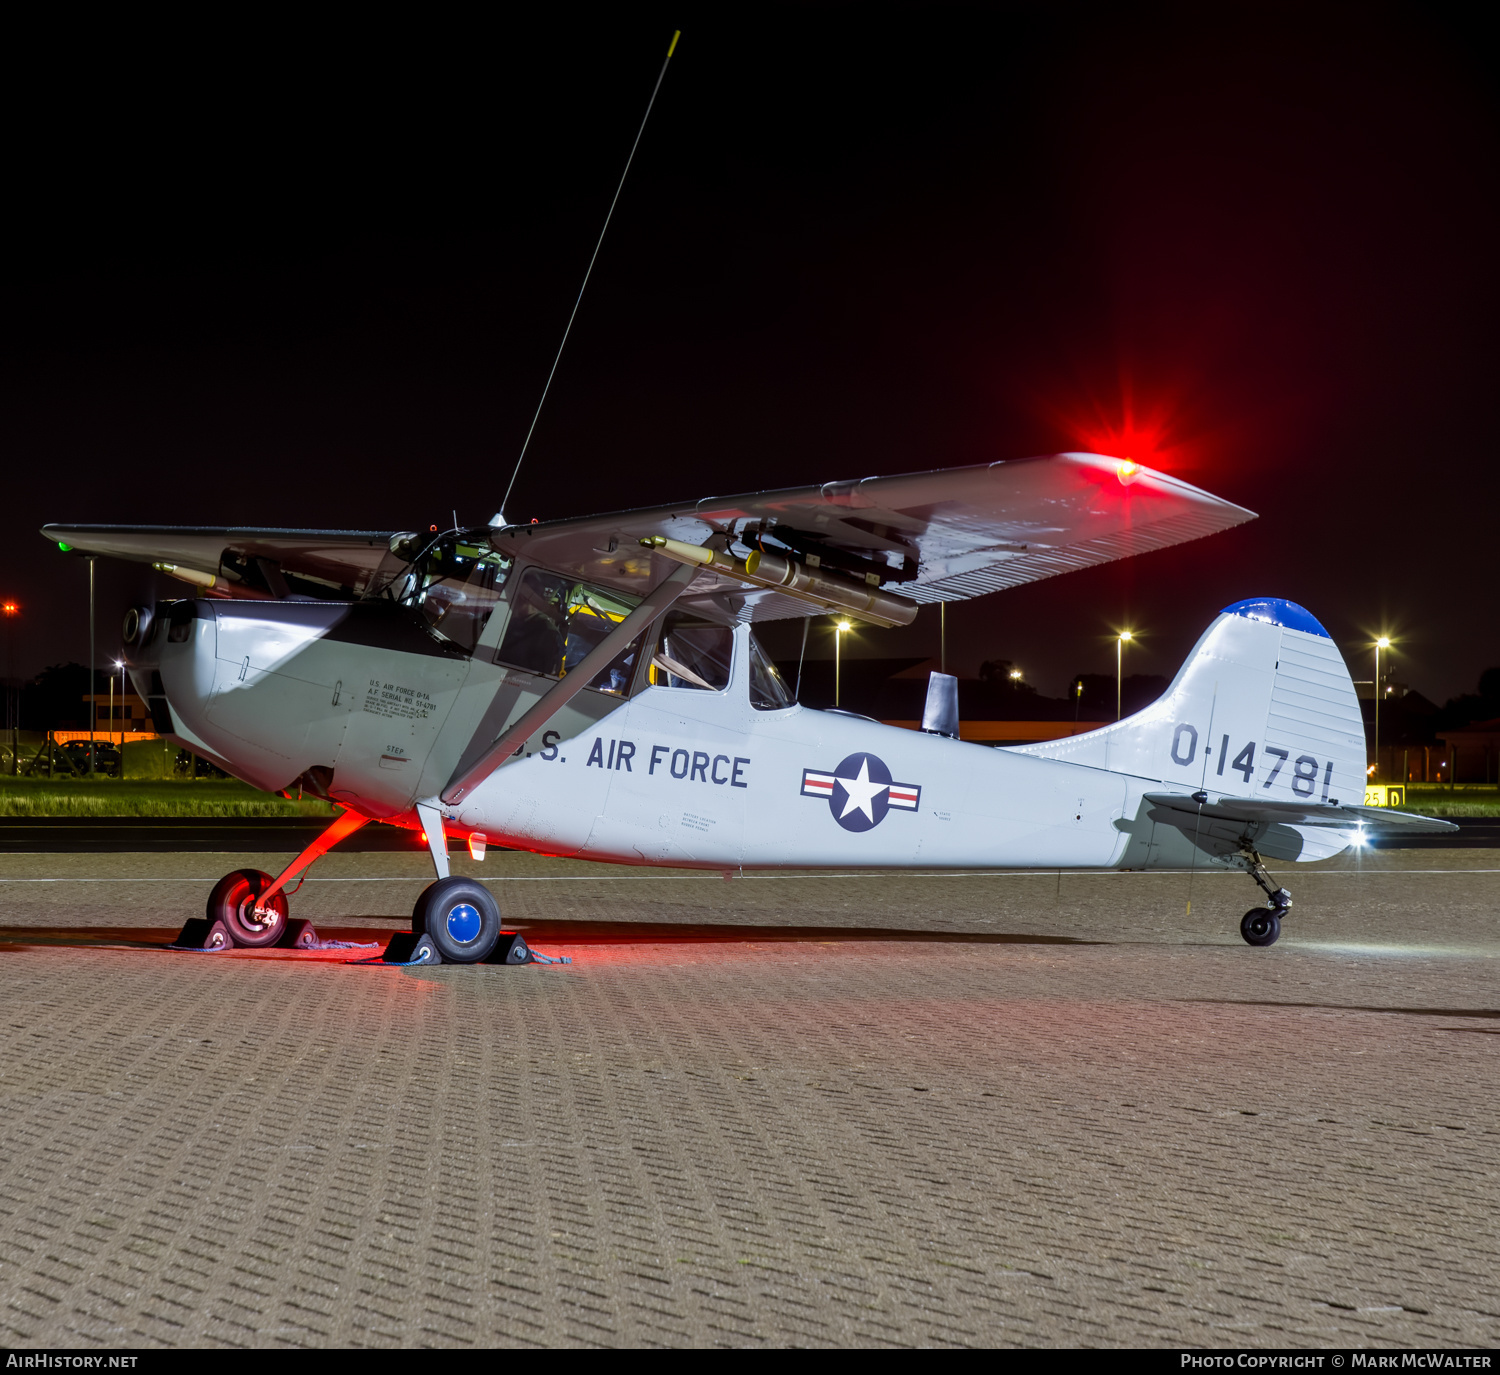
x=190, y=765
x=107, y=759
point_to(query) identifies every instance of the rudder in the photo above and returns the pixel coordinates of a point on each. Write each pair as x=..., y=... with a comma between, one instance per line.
x=1263, y=707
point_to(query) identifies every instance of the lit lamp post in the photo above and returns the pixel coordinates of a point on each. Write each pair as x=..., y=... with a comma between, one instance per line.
x=11, y=610
x=119, y=665
x=839, y=630
x=1120, y=671
x=1384, y=642
x=93, y=709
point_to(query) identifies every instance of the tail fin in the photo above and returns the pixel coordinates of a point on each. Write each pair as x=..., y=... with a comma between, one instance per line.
x=1263, y=708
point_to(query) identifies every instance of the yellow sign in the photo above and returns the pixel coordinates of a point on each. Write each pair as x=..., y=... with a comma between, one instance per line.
x=1382, y=795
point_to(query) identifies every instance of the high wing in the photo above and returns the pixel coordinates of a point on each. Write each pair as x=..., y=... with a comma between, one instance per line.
x=239, y=560
x=946, y=535
x=1184, y=812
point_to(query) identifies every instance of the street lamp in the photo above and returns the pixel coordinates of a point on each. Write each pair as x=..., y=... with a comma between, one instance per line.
x=93, y=706
x=11, y=609
x=1120, y=670
x=1015, y=675
x=119, y=664
x=1384, y=642
x=840, y=629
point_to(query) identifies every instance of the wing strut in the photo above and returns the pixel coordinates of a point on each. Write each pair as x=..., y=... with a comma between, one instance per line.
x=552, y=701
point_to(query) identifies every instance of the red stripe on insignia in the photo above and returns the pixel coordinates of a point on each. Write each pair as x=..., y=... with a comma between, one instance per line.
x=817, y=784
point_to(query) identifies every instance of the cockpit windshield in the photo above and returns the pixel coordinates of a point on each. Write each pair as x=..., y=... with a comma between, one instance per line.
x=456, y=584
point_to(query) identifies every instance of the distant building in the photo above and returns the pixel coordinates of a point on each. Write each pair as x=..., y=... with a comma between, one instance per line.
x=1012, y=732
x=1474, y=752
x=131, y=716
x=994, y=709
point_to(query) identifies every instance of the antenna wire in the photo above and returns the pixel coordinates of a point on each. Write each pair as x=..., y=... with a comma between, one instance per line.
x=672, y=47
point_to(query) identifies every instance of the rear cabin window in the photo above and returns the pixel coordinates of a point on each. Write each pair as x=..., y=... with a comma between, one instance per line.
x=556, y=622
x=767, y=690
x=693, y=653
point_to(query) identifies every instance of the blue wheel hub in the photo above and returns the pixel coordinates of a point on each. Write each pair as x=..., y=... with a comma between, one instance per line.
x=464, y=922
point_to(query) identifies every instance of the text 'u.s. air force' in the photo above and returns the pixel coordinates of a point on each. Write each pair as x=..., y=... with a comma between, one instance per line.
x=691, y=766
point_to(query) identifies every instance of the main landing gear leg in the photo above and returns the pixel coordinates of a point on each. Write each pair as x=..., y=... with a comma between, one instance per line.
x=1262, y=925
x=248, y=907
x=456, y=920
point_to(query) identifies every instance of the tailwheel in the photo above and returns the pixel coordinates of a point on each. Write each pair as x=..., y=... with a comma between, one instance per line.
x=235, y=902
x=461, y=917
x=1260, y=926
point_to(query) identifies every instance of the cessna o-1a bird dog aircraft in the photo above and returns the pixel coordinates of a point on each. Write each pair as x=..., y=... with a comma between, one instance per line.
x=594, y=688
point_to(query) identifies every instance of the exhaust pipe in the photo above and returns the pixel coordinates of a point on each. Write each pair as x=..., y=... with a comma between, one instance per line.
x=136, y=630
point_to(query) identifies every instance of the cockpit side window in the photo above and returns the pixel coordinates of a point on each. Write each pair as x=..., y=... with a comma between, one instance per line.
x=767, y=690
x=556, y=622
x=693, y=653
x=456, y=585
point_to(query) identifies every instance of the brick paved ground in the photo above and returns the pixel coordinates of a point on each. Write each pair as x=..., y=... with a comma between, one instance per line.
x=1088, y=1119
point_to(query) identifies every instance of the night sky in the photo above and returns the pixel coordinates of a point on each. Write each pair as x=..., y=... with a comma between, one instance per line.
x=316, y=278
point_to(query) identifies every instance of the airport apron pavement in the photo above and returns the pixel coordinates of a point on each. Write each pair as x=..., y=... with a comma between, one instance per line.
x=782, y=1109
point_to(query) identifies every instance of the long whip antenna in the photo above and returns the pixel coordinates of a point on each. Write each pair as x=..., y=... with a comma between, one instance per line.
x=671, y=48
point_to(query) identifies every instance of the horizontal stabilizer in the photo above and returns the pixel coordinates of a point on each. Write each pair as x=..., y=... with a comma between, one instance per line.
x=1256, y=812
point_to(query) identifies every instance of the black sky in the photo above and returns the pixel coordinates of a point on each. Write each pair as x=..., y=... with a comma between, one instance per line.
x=316, y=277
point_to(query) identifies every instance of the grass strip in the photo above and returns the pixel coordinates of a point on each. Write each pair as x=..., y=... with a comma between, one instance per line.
x=109, y=797
x=1465, y=800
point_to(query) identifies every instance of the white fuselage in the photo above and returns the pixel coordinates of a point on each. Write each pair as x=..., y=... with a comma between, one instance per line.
x=384, y=716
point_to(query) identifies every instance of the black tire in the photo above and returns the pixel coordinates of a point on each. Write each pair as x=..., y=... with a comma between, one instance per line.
x=1260, y=926
x=233, y=902
x=419, y=911
x=462, y=918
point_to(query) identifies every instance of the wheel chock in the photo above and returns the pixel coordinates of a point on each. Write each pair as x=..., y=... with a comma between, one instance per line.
x=300, y=935
x=406, y=947
x=511, y=948
x=198, y=933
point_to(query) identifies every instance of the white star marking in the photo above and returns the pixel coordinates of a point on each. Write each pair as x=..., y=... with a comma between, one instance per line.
x=862, y=792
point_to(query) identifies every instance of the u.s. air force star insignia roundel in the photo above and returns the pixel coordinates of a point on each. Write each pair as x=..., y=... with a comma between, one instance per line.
x=860, y=792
